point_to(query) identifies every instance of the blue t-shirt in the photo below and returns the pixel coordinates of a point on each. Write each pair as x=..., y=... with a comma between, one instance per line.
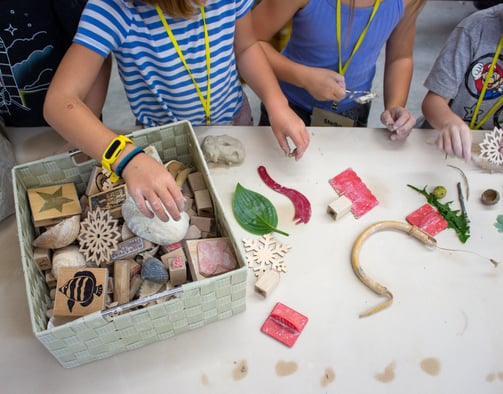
x=158, y=86
x=314, y=43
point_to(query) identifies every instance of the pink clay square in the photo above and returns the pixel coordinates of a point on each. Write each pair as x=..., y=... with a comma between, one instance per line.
x=349, y=184
x=427, y=219
x=284, y=324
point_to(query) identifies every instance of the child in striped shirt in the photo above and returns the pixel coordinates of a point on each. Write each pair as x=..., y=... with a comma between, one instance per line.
x=178, y=60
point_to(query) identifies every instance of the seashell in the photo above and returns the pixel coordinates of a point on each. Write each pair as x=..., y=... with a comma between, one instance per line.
x=154, y=270
x=154, y=229
x=59, y=235
x=490, y=197
x=69, y=256
x=148, y=288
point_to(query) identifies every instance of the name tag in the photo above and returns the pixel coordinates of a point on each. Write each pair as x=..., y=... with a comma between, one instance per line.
x=324, y=118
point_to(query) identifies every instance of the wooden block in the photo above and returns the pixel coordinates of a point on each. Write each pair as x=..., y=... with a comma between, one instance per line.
x=151, y=150
x=99, y=181
x=177, y=269
x=80, y=291
x=43, y=258
x=209, y=257
x=171, y=247
x=51, y=204
x=189, y=203
x=267, y=282
x=130, y=247
x=339, y=207
x=134, y=287
x=122, y=275
x=110, y=200
x=179, y=252
x=205, y=224
x=196, y=181
x=203, y=203
x=193, y=233
x=50, y=279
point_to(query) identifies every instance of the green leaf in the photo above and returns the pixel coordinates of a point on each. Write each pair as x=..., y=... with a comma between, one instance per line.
x=254, y=212
x=454, y=218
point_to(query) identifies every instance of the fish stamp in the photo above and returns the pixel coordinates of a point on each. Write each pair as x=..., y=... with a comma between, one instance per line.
x=80, y=291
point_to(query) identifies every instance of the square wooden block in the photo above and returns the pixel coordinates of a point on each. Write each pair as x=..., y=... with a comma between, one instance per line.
x=80, y=291
x=109, y=200
x=51, y=204
x=339, y=207
x=196, y=181
x=209, y=257
x=204, y=205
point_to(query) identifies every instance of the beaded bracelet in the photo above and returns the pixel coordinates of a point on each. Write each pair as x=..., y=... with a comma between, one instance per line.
x=124, y=162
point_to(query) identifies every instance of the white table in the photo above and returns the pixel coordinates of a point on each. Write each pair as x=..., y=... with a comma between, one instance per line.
x=442, y=334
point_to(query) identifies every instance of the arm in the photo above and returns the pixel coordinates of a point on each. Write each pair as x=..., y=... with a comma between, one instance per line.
x=66, y=109
x=95, y=99
x=256, y=71
x=398, y=70
x=455, y=135
x=269, y=16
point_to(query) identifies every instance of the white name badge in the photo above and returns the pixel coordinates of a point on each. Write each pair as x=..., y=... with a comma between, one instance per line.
x=324, y=118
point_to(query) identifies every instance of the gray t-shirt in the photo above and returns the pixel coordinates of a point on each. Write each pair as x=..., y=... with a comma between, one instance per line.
x=460, y=68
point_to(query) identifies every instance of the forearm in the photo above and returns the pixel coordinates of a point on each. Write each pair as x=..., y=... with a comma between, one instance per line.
x=82, y=77
x=95, y=99
x=258, y=74
x=285, y=69
x=397, y=80
x=437, y=112
x=77, y=123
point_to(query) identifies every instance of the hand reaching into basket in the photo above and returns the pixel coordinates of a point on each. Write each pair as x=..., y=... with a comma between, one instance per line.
x=148, y=180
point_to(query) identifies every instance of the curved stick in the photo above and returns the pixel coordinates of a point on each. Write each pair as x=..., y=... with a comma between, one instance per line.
x=377, y=288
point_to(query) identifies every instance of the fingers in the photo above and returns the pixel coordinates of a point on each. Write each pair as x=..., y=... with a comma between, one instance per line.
x=153, y=189
x=455, y=140
x=399, y=121
x=301, y=142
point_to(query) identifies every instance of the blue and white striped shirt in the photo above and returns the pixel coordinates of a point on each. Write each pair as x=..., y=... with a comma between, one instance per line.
x=157, y=84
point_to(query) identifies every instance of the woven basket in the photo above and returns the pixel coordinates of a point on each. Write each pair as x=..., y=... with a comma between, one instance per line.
x=98, y=335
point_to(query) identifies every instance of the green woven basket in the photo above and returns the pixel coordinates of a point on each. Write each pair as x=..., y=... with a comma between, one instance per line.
x=97, y=336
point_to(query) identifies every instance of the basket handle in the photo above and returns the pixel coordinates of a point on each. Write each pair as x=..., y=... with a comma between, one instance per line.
x=124, y=307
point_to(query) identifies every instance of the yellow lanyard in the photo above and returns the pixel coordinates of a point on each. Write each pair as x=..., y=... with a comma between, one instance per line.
x=343, y=68
x=477, y=126
x=204, y=102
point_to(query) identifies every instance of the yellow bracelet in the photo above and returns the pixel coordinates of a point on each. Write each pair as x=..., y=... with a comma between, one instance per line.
x=112, y=152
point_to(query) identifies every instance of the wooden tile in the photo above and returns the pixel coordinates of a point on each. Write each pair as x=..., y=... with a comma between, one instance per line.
x=51, y=204
x=80, y=291
x=110, y=200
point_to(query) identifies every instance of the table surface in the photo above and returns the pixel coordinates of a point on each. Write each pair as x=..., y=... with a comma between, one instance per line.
x=442, y=334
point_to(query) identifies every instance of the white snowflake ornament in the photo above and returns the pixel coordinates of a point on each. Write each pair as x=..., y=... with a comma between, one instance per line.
x=265, y=253
x=490, y=147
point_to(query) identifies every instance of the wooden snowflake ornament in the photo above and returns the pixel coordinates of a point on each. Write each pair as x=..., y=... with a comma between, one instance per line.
x=99, y=236
x=265, y=253
x=490, y=147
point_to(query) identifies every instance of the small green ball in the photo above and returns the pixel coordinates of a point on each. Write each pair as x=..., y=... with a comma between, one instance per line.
x=439, y=192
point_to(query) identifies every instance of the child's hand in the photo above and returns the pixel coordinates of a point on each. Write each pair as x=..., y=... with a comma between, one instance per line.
x=286, y=124
x=456, y=139
x=324, y=84
x=148, y=180
x=399, y=121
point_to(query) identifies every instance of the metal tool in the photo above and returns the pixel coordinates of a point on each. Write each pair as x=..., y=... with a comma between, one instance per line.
x=358, y=96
